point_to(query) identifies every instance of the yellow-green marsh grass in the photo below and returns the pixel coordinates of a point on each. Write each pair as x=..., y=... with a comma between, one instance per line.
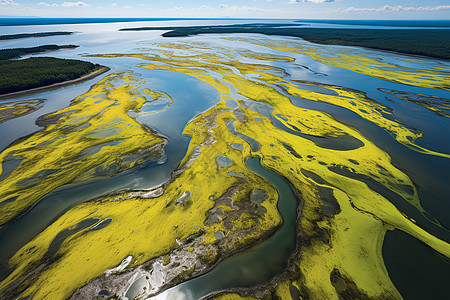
x=149, y=228
x=344, y=58
x=349, y=241
x=221, y=73
x=59, y=153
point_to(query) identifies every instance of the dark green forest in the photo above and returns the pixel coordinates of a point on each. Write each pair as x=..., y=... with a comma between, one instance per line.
x=427, y=42
x=29, y=35
x=393, y=23
x=24, y=74
x=18, y=52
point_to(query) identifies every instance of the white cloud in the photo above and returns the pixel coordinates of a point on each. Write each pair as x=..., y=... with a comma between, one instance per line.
x=75, y=4
x=312, y=1
x=9, y=4
x=114, y=4
x=396, y=8
x=244, y=8
x=176, y=8
x=47, y=4
x=67, y=4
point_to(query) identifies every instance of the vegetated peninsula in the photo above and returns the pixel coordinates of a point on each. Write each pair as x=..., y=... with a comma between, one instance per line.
x=43, y=72
x=36, y=73
x=30, y=35
x=426, y=42
x=18, y=52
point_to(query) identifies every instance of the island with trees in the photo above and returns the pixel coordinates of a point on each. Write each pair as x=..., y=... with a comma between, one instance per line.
x=35, y=73
x=30, y=35
x=18, y=52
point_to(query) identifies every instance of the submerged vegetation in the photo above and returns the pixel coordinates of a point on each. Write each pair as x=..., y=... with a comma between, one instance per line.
x=214, y=206
x=201, y=188
x=427, y=42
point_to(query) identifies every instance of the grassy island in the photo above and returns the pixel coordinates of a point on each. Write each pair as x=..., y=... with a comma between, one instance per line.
x=427, y=42
x=93, y=137
x=30, y=35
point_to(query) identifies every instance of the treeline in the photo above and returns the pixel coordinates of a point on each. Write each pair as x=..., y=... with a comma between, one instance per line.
x=392, y=23
x=193, y=30
x=29, y=35
x=427, y=42
x=18, y=52
x=18, y=75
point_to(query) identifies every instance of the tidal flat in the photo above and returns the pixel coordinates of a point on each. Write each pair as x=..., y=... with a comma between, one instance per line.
x=283, y=184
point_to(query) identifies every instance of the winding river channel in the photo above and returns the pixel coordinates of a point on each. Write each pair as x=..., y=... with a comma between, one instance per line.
x=257, y=265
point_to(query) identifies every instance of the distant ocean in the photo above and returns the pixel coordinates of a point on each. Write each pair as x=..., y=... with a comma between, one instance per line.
x=8, y=21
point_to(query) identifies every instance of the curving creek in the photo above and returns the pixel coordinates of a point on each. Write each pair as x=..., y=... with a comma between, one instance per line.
x=190, y=97
x=254, y=266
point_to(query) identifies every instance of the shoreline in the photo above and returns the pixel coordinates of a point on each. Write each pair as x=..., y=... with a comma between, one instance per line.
x=91, y=75
x=260, y=289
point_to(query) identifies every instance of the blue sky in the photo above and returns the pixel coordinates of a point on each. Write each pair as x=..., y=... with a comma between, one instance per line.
x=301, y=9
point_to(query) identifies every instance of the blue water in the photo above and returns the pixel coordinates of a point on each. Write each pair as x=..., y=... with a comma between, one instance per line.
x=312, y=22
x=59, y=21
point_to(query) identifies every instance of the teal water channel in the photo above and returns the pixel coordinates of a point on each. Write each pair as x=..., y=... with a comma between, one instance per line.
x=258, y=264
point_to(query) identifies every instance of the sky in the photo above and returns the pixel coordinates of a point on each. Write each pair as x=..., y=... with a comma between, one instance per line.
x=276, y=9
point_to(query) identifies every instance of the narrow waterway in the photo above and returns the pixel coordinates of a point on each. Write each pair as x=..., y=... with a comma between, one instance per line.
x=256, y=265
